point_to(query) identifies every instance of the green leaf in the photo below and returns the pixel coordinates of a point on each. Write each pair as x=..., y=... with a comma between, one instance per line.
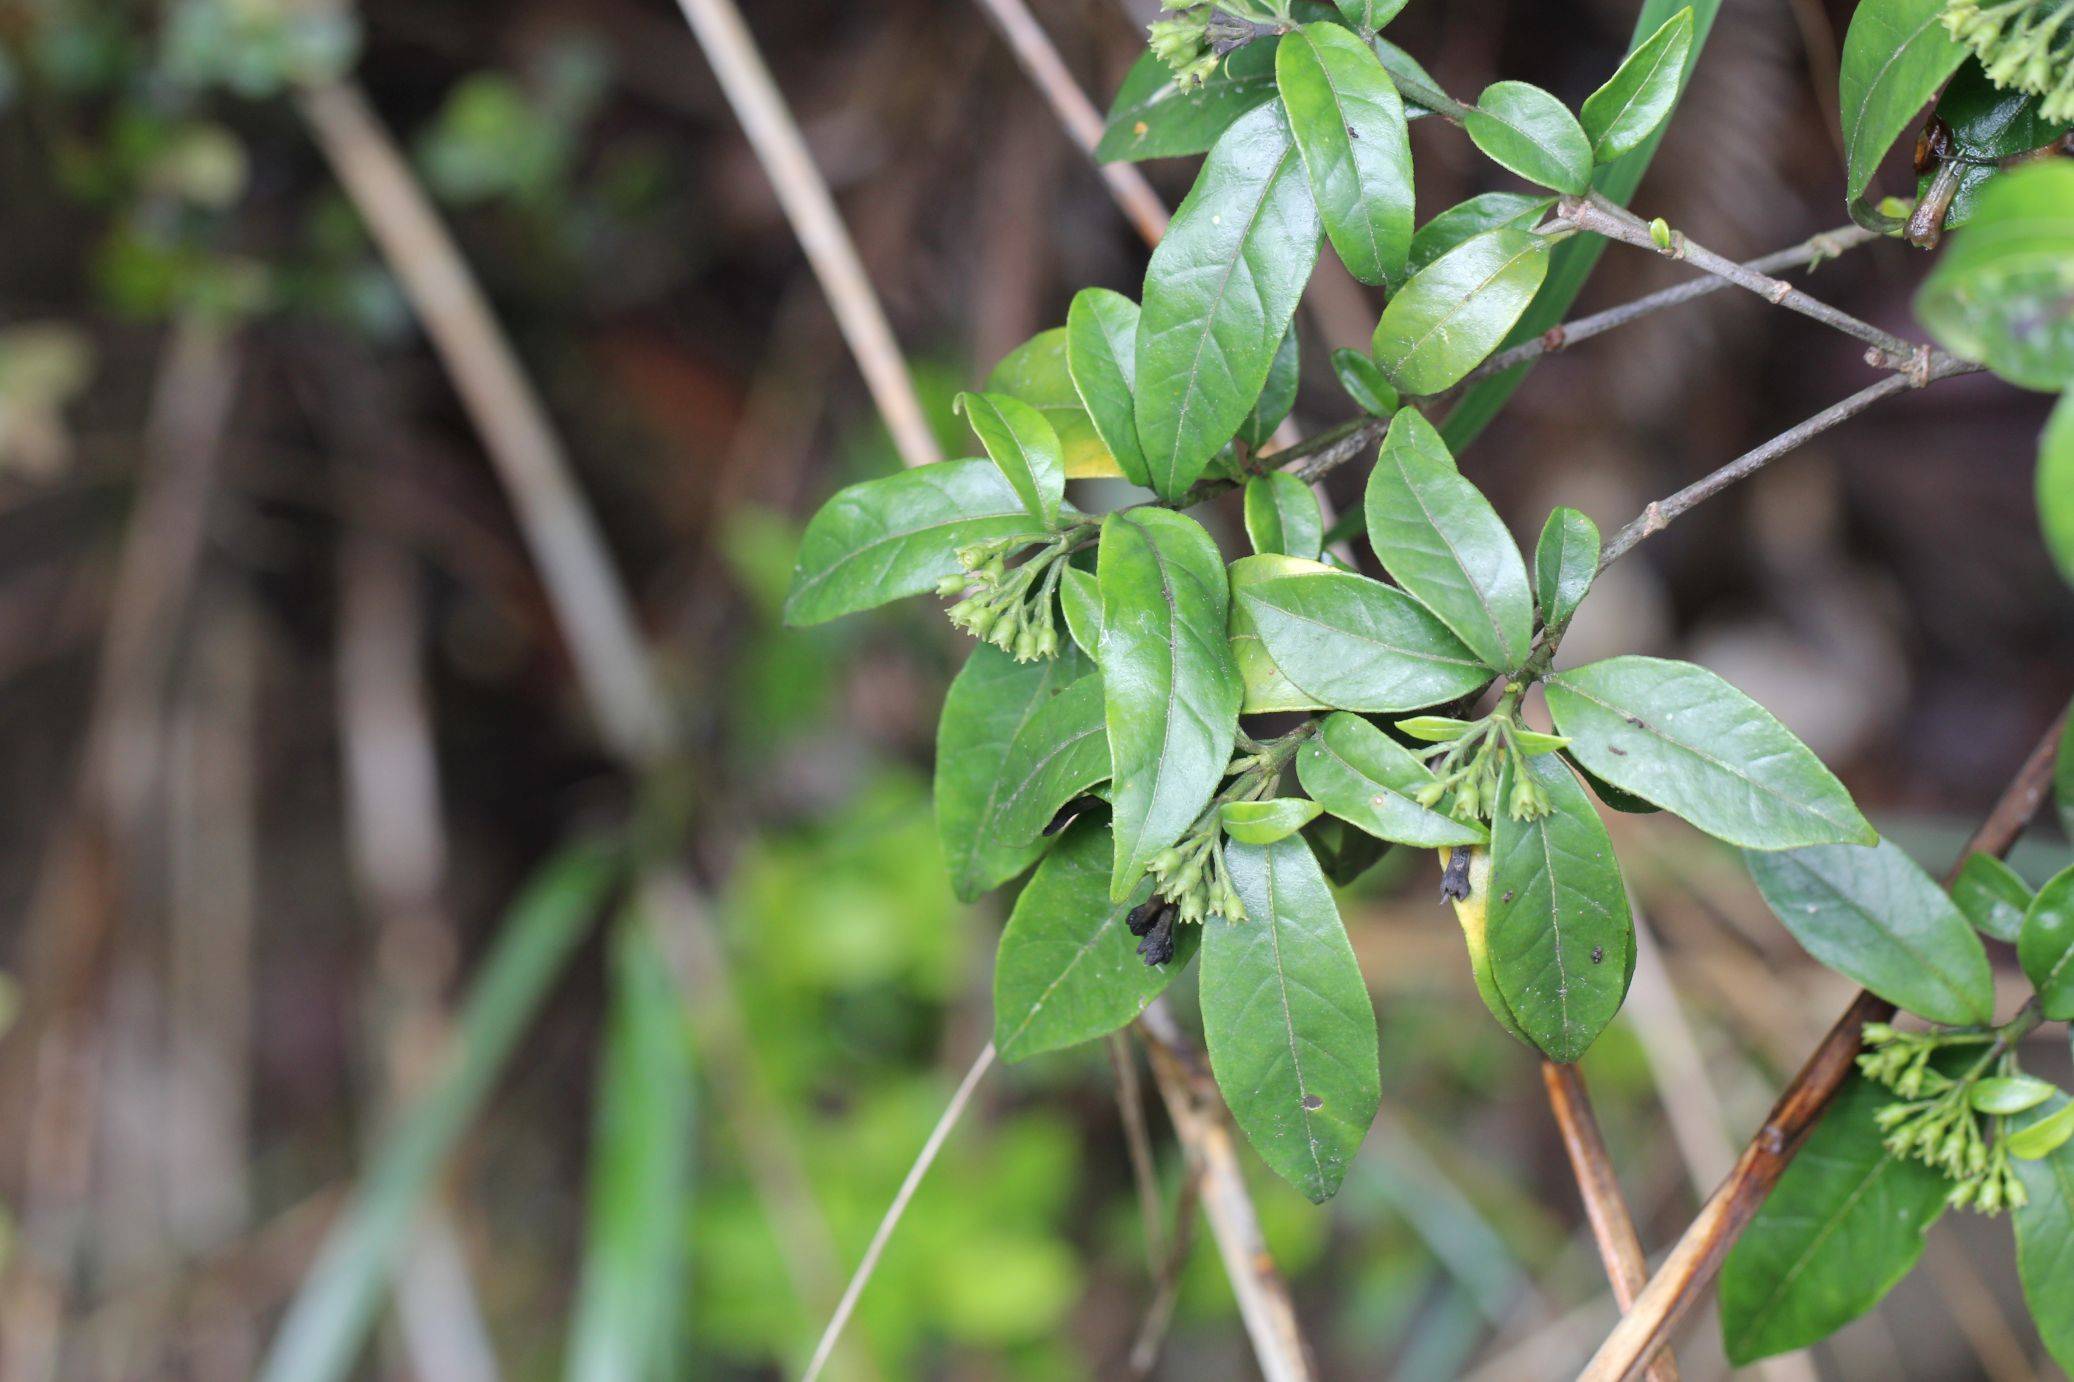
x=1219, y=294
x=1524, y=129
x=1558, y=925
x=1679, y=736
x=1349, y=126
x=629, y=1300
x=1414, y=83
x=1573, y=260
x=987, y=706
x=2045, y=947
x=1102, y=357
x=1992, y=897
x=1282, y=516
x=1061, y=753
x=1024, y=446
x=1896, y=54
x=1037, y=372
x=1455, y=311
x=2044, y=1137
x=1640, y=93
x=1266, y=688
x=1068, y=970
x=1984, y=125
x=1155, y=118
x=1173, y=690
x=2004, y=1095
x=2056, y=485
x=1369, y=780
x=1482, y=212
x=1435, y=729
x=1367, y=16
x=2003, y=291
x=1277, y=395
x=1875, y=917
x=1441, y=540
x=1344, y=852
x=885, y=539
x=1287, y=1018
x=1566, y=561
x=1355, y=644
x=335, y=1306
x=1080, y=596
x=1844, y=1224
x=2045, y=1240
x=1264, y=822
x=1364, y=383
x=1626, y=803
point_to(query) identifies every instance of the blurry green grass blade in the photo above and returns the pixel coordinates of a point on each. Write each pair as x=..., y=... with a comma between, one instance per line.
x=641, y=1176
x=1576, y=257
x=336, y=1305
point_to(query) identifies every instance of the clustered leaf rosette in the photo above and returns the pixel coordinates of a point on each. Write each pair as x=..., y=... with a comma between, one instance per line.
x=2024, y=44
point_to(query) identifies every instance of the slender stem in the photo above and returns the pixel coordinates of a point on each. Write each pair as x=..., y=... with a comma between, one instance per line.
x=775, y=136
x=912, y=1183
x=1130, y=1105
x=1613, y=1229
x=1608, y=218
x=1691, y=1264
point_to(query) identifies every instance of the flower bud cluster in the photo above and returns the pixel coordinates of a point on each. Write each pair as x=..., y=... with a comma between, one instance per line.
x=1011, y=607
x=1199, y=36
x=1935, y=1121
x=2025, y=44
x=1471, y=768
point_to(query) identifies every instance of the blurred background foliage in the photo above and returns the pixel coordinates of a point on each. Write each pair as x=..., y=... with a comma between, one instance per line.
x=238, y=992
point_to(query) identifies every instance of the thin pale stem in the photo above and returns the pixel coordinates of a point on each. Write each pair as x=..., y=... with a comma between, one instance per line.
x=1608, y=218
x=1692, y=1263
x=782, y=150
x=1130, y=1106
x=884, y=1234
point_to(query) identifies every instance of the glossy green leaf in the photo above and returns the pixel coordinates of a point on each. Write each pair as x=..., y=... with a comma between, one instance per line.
x=1895, y=56
x=334, y=1308
x=1061, y=753
x=1356, y=644
x=1024, y=446
x=1874, y=916
x=1266, y=688
x=2046, y=946
x=1679, y=736
x=1455, y=311
x=1067, y=970
x=1277, y=395
x=2043, y=1137
x=2003, y=290
x=1523, y=128
x=1038, y=373
x=1265, y=822
x=1369, y=780
x=1992, y=897
x=2004, y=1095
x=1345, y=853
x=1173, y=690
x=1282, y=516
x=1102, y=358
x=989, y=702
x=2045, y=1239
x=889, y=538
x=629, y=1301
x=1364, y=383
x=1369, y=15
x=1435, y=729
x=1441, y=540
x=1557, y=924
x=1482, y=212
x=1287, y=1018
x=1219, y=293
x=1422, y=95
x=1844, y=1224
x=1153, y=117
x=1080, y=597
x=2055, y=485
x=1640, y=93
x=1626, y=803
x=1349, y=127
x=1566, y=561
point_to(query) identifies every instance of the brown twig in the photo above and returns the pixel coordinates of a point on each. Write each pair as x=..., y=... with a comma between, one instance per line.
x=1190, y=1093
x=1130, y=1107
x=1692, y=1264
x=1151, y=1338
x=775, y=136
x=1613, y=1228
